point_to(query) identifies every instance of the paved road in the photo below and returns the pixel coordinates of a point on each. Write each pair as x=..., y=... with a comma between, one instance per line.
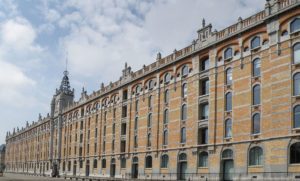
x=20, y=177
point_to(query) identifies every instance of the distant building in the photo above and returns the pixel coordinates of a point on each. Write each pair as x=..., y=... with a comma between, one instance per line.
x=2, y=158
x=227, y=107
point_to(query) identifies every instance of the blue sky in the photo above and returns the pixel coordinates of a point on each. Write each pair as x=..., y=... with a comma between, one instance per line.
x=99, y=36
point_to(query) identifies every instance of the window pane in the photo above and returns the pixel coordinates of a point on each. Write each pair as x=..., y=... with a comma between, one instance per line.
x=185, y=71
x=295, y=153
x=229, y=76
x=255, y=42
x=296, y=53
x=256, y=124
x=256, y=156
x=295, y=25
x=297, y=84
x=167, y=96
x=204, y=111
x=297, y=117
x=256, y=67
x=227, y=154
x=183, y=135
x=165, y=139
x=184, y=90
x=166, y=116
x=203, y=159
x=228, y=53
x=184, y=112
x=256, y=95
x=228, y=102
x=228, y=128
x=164, y=161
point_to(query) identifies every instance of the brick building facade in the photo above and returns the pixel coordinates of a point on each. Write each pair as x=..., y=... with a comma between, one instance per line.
x=227, y=107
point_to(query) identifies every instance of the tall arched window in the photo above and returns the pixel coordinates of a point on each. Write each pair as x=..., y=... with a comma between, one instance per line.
x=256, y=123
x=256, y=156
x=256, y=67
x=149, y=124
x=228, y=99
x=95, y=164
x=103, y=164
x=297, y=116
x=295, y=25
x=149, y=140
x=229, y=76
x=296, y=53
x=136, y=105
x=165, y=138
x=151, y=84
x=203, y=159
x=255, y=42
x=183, y=112
x=166, y=116
x=183, y=135
x=228, y=53
x=149, y=161
x=135, y=141
x=167, y=78
x=228, y=128
x=295, y=153
x=150, y=101
x=138, y=89
x=167, y=96
x=256, y=95
x=164, y=161
x=184, y=90
x=296, y=80
x=184, y=71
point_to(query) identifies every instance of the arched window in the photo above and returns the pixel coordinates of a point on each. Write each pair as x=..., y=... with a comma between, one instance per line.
x=114, y=128
x=149, y=124
x=184, y=71
x=164, y=161
x=256, y=156
x=228, y=99
x=183, y=112
x=151, y=84
x=228, y=53
x=256, y=95
x=138, y=89
x=229, y=76
x=296, y=80
x=95, y=163
x=167, y=96
x=297, y=116
x=183, y=135
x=123, y=162
x=150, y=101
x=165, y=138
x=136, y=105
x=104, y=163
x=149, y=140
x=167, y=78
x=149, y=162
x=204, y=64
x=228, y=128
x=295, y=153
x=255, y=42
x=256, y=67
x=182, y=157
x=166, y=116
x=136, y=123
x=227, y=154
x=295, y=25
x=184, y=90
x=203, y=159
x=256, y=123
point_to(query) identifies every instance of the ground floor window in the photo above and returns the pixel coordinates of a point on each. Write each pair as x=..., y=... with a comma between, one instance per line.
x=295, y=153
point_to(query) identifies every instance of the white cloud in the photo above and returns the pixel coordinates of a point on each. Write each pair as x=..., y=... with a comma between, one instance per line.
x=18, y=34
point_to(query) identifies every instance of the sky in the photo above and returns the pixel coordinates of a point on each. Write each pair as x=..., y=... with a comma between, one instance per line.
x=97, y=37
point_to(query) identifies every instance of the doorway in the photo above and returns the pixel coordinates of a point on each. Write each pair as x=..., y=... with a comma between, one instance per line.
x=182, y=166
x=135, y=167
x=74, y=168
x=227, y=165
x=87, y=168
x=113, y=168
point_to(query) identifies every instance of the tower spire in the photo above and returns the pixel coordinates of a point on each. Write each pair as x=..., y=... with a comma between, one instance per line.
x=66, y=71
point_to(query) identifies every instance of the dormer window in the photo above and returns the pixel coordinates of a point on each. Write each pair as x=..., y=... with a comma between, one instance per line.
x=167, y=78
x=295, y=25
x=184, y=71
x=228, y=54
x=255, y=42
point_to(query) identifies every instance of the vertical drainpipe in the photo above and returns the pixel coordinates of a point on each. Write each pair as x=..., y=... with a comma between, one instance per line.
x=158, y=111
x=216, y=96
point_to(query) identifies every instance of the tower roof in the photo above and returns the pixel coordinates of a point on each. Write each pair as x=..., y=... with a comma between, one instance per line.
x=65, y=84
